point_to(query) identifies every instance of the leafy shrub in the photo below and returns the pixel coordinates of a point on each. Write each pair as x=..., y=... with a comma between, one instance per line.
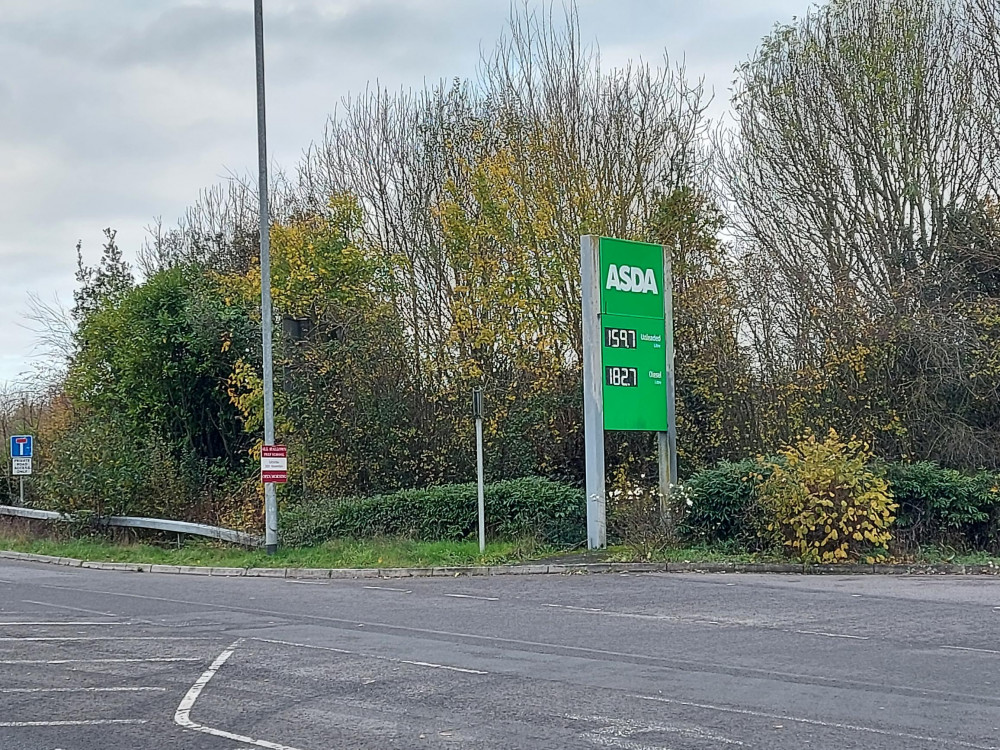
x=96, y=470
x=945, y=506
x=724, y=499
x=548, y=510
x=824, y=503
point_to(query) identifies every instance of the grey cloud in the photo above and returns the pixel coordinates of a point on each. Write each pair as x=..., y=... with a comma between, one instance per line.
x=116, y=111
x=183, y=36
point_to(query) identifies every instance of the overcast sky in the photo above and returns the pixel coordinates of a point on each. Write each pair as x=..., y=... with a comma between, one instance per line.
x=115, y=112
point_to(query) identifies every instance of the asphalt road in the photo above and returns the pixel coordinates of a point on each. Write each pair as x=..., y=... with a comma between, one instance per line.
x=93, y=659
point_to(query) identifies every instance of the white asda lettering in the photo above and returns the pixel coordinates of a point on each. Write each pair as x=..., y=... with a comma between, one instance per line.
x=631, y=279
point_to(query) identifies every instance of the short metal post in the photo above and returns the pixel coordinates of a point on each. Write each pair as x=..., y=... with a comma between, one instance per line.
x=477, y=411
x=663, y=462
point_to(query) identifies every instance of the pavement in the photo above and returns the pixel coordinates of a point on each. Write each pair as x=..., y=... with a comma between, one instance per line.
x=95, y=659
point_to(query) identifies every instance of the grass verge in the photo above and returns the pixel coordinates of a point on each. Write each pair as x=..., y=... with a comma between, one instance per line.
x=346, y=553
x=394, y=553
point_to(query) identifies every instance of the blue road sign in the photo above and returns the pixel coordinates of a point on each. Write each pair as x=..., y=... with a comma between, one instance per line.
x=21, y=446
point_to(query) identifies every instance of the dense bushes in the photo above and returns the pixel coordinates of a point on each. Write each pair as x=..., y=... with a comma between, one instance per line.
x=935, y=506
x=823, y=503
x=723, y=501
x=550, y=511
x=944, y=506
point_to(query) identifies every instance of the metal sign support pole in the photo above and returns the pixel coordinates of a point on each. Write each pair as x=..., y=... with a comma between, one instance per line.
x=668, y=320
x=666, y=442
x=477, y=413
x=593, y=402
x=22, y=492
x=266, y=315
x=482, y=489
x=663, y=463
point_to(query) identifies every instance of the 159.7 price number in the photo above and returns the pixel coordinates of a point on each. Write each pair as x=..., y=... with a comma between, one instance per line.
x=619, y=338
x=626, y=377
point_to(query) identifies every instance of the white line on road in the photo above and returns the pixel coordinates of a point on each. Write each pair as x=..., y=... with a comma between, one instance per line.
x=80, y=723
x=370, y=656
x=70, y=609
x=61, y=624
x=974, y=650
x=576, y=609
x=389, y=588
x=818, y=723
x=182, y=717
x=156, y=659
x=110, y=638
x=84, y=690
x=440, y=666
x=832, y=635
x=469, y=596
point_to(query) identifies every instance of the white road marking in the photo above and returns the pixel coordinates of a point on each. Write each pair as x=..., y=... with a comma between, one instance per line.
x=309, y=583
x=81, y=723
x=85, y=690
x=182, y=716
x=974, y=650
x=371, y=656
x=110, y=638
x=62, y=624
x=441, y=666
x=100, y=661
x=832, y=635
x=70, y=609
x=576, y=609
x=469, y=596
x=389, y=588
x=818, y=723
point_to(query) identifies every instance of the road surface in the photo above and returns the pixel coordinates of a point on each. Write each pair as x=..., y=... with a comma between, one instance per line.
x=94, y=659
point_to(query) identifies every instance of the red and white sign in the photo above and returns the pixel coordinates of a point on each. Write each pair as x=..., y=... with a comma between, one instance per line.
x=274, y=464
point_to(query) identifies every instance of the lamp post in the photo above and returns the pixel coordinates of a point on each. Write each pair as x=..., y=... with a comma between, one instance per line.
x=266, y=316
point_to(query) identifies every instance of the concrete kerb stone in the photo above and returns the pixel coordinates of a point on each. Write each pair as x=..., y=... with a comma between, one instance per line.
x=528, y=569
x=267, y=573
x=311, y=573
x=228, y=572
x=354, y=573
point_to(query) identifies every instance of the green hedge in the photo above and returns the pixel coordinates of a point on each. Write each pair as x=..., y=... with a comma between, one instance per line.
x=552, y=512
x=945, y=506
x=723, y=501
x=937, y=506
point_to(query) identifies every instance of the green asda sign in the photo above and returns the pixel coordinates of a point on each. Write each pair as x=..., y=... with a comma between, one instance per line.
x=633, y=336
x=628, y=355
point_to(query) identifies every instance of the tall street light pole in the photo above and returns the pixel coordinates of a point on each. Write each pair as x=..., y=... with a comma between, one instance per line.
x=266, y=317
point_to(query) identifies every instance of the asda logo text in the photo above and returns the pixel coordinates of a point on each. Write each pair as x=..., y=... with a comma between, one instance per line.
x=631, y=279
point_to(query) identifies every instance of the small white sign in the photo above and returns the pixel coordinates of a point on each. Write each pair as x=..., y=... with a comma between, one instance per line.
x=274, y=464
x=22, y=467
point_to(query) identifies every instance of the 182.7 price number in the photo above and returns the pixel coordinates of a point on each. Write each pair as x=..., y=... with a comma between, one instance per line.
x=626, y=377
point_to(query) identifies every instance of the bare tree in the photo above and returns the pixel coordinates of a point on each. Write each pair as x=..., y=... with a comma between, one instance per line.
x=862, y=159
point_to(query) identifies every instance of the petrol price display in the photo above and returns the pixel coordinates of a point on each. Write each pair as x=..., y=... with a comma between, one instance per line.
x=619, y=338
x=625, y=377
